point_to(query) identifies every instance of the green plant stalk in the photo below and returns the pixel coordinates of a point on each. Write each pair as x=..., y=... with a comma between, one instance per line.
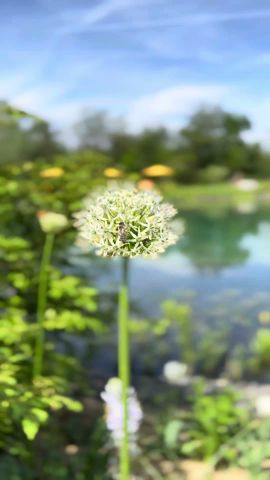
x=124, y=368
x=42, y=303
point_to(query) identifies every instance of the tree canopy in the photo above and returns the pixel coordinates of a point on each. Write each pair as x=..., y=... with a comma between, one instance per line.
x=209, y=148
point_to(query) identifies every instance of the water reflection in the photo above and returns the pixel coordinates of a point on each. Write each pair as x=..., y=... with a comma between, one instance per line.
x=220, y=251
x=220, y=268
x=258, y=244
x=213, y=241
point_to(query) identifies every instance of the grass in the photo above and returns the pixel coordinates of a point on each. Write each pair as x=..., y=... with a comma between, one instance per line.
x=215, y=195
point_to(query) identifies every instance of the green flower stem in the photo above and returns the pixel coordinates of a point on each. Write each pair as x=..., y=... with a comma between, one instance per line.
x=123, y=367
x=42, y=303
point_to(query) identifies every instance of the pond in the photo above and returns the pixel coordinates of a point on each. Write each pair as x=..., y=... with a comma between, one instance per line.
x=220, y=267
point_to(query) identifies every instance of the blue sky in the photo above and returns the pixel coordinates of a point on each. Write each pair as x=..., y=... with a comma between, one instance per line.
x=151, y=61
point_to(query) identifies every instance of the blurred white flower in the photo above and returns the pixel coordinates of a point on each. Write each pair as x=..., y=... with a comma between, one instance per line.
x=247, y=184
x=51, y=222
x=127, y=222
x=262, y=405
x=175, y=372
x=114, y=411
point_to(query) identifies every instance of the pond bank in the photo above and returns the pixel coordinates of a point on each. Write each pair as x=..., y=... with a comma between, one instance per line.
x=220, y=195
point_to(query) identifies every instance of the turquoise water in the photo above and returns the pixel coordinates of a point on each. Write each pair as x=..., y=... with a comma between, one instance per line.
x=220, y=267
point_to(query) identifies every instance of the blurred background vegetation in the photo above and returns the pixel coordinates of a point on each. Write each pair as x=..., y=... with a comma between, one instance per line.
x=208, y=307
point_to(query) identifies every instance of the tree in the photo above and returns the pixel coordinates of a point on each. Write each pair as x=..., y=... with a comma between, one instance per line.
x=214, y=138
x=40, y=142
x=135, y=152
x=24, y=136
x=153, y=147
x=92, y=131
x=123, y=150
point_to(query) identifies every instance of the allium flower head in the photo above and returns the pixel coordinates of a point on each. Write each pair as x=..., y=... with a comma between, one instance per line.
x=127, y=222
x=51, y=222
x=114, y=411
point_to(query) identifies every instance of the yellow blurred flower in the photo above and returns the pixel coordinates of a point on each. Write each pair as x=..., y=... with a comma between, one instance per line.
x=52, y=172
x=51, y=222
x=264, y=317
x=158, y=170
x=145, y=184
x=112, y=172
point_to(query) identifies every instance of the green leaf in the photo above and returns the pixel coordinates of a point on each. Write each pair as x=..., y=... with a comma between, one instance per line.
x=42, y=415
x=71, y=321
x=30, y=428
x=72, y=405
x=190, y=447
x=171, y=433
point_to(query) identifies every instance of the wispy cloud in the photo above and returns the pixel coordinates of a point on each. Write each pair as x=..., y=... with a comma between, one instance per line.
x=153, y=61
x=168, y=106
x=91, y=20
x=79, y=20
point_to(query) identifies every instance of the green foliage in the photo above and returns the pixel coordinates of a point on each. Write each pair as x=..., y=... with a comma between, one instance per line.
x=93, y=131
x=209, y=428
x=158, y=327
x=214, y=137
x=70, y=446
x=10, y=114
x=209, y=149
x=252, y=449
x=13, y=327
x=260, y=348
x=236, y=364
x=27, y=408
x=171, y=433
x=39, y=419
x=14, y=249
x=78, y=302
x=214, y=197
x=262, y=345
x=24, y=136
x=71, y=321
x=211, y=350
x=214, y=419
x=201, y=348
x=180, y=316
x=213, y=174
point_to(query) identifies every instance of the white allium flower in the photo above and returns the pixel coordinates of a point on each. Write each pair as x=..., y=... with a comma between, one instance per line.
x=262, y=405
x=127, y=222
x=175, y=372
x=114, y=411
x=51, y=222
